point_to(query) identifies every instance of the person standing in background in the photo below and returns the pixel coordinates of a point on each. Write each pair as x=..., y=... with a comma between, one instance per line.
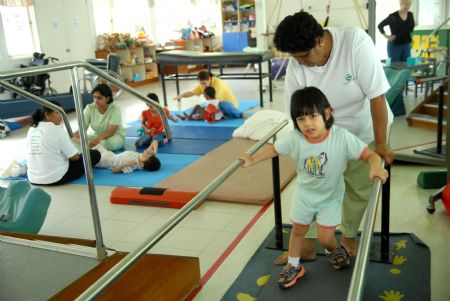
x=401, y=24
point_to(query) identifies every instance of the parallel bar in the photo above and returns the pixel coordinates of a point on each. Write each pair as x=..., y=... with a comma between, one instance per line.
x=359, y=269
x=103, y=282
x=101, y=249
x=40, y=101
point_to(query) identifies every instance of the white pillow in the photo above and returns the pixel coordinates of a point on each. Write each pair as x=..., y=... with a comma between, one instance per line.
x=261, y=123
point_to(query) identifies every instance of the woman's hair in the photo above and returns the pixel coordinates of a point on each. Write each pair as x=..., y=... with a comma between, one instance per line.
x=104, y=90
x=153, y=97
x=297, y=33
x=210, y=92
x=39, y=114
x=308, y=101
x=204, y=75
x=152, y=164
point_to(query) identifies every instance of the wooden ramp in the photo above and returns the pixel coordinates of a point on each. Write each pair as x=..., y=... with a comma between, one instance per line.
x=425, y=114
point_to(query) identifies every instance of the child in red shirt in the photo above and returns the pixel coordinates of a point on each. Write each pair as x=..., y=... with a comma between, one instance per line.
x=153, y=125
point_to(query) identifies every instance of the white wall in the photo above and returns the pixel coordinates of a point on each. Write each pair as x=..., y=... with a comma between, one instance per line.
x=66, y=30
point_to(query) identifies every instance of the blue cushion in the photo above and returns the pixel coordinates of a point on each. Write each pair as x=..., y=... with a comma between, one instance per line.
x=23, y=209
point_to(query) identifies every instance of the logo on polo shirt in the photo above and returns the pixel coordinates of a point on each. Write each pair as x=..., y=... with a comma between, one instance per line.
x=348, y=78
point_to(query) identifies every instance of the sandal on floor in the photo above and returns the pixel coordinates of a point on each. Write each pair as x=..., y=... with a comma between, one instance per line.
x=339, y=259
x=289, y=275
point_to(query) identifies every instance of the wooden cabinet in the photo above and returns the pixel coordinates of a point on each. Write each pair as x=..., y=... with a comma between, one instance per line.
x=239, y=24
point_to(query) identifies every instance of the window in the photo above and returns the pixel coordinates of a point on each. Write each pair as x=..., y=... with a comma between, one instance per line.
x=20, y=31
x=122, y=16
x=193, y=13
x=431, y=13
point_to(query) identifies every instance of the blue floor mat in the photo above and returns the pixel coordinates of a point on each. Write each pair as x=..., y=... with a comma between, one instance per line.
x=244, y=106
x=189, y=146
x=170, y=164
x=193, y=132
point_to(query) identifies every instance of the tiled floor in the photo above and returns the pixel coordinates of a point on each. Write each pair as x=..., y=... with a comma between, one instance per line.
x=209, y=230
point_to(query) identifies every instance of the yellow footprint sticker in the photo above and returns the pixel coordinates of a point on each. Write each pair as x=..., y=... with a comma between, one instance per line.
x=392, y=296
x=401, y=244
x=262, y=280
x=244, y=297
x=395, y=271
x=399, y=260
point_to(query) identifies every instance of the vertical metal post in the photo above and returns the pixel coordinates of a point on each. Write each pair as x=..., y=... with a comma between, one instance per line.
x=270, y=79
x=176, y=80
x=385, y=214
x=163, y=83
x=277, y=202
x=371, y=29
x=447, y=143
x=261, y=103
x=101, y=250
x=440, y=119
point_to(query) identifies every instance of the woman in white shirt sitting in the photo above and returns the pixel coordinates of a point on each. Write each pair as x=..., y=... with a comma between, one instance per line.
x=52, y=159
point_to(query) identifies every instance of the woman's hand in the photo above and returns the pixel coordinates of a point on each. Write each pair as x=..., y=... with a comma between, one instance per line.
x=385, y=153
x=391, y=37
x=178, y=97
x=94, y=142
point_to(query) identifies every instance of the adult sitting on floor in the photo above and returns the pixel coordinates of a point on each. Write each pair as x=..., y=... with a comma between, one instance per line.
x=51, y=157
x=105, y=119
x=228, y=103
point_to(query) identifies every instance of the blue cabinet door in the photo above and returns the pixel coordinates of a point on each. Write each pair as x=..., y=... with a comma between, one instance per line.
x=234, y=41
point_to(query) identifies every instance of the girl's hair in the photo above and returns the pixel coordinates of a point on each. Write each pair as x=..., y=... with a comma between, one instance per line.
x=308, y=101
x=204, y=75
x=104, y=90
x=39, y=114
x=210, y=92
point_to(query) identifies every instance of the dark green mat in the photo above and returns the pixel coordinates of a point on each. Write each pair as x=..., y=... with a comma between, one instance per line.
x=409, y=276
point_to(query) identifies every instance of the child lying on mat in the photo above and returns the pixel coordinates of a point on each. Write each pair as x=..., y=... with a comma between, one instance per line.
x=152, y=124
x=321, y=152
x=128, y=161
x=210, y=113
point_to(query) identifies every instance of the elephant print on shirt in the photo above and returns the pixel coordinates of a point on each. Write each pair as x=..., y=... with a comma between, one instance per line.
x=314, y=165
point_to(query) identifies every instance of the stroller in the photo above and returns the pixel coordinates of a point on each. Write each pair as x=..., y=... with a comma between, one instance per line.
x=36, y=84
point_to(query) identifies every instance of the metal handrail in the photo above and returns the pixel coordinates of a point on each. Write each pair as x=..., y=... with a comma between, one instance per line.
x=79, y=64
x=40, y=101
x=72, y=67
x=357, y=281
x=430, y=35
x=96, y=288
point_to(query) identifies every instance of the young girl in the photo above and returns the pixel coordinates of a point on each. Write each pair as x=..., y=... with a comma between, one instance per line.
x=321, y=152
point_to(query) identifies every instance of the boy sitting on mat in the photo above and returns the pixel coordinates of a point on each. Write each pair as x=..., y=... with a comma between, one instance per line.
x=152, y=124
x=321, y=151
x=210, y=113
x=128, y=161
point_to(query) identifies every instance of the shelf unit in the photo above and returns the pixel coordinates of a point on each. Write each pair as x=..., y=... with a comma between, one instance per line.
x=137, y=65
x=239, y=23
x=197, y=45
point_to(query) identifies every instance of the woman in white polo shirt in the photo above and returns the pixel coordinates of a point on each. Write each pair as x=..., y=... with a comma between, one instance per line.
x=52, y=159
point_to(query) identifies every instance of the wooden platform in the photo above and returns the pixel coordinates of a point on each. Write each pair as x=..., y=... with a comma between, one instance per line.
x=152, y=277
